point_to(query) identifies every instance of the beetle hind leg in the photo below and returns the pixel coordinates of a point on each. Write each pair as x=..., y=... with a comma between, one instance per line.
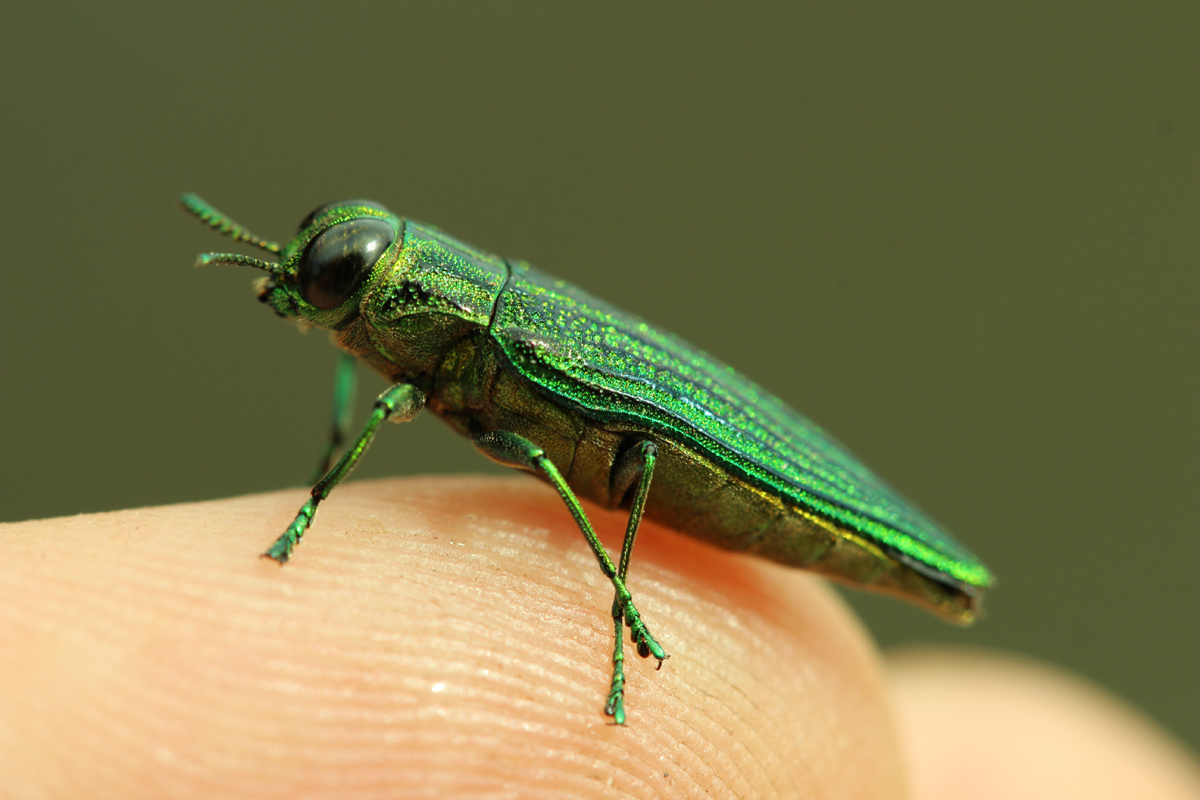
x=637, y=464
x=633, y=469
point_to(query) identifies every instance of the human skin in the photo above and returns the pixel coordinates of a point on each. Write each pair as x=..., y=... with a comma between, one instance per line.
x=993, y=726
x=440, y=637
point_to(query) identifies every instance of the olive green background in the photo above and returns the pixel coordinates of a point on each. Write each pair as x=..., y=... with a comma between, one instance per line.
x=961, y=238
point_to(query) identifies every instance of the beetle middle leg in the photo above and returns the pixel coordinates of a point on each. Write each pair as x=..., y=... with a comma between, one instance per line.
x=398, y=403
x=513, y=450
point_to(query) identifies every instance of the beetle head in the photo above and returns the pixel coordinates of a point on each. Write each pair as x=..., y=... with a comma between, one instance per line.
x=322, y=274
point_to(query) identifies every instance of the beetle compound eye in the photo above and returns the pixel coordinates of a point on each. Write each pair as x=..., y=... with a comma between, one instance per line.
x=339, y=259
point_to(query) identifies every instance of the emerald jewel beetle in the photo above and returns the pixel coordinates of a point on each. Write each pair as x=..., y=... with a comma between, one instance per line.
x=544, y=377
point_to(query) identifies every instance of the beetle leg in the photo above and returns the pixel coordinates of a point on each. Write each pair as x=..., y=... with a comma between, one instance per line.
x=344, y=384
x=513, y=450
x=635, y=464
x=399, y=403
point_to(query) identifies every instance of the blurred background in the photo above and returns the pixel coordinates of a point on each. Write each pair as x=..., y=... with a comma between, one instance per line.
x=961, y=238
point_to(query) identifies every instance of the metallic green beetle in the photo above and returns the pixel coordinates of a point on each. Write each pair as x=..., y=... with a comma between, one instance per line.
x=544, y=377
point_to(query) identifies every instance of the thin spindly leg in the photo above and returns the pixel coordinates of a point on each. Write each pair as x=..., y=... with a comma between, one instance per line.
x=637, y=463
x=399, y=403
x=513, y=450
x=344, y=384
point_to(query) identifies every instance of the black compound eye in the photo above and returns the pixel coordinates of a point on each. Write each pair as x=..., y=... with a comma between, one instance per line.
x=337, y=261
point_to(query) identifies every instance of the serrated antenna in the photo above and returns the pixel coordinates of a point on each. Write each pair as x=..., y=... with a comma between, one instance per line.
x=224, y=225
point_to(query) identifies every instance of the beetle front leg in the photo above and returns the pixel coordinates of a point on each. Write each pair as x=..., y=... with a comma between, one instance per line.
x=344, y=384
x=512, y=450
x=399, y=403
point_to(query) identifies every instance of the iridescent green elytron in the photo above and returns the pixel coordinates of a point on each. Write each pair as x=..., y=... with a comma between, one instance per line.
x=544, y=377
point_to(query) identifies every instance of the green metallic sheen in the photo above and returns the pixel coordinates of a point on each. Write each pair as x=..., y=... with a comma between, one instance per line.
x=617, y=368
x=572, y=385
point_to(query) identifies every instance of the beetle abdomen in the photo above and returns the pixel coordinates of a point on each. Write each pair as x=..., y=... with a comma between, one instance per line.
x=689, y=492
x=612, y=367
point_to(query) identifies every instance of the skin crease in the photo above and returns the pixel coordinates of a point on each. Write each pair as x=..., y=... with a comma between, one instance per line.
x=450, y=637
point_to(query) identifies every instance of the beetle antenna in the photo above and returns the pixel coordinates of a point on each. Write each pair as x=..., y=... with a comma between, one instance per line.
x=224, y=225
x=237, y=259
